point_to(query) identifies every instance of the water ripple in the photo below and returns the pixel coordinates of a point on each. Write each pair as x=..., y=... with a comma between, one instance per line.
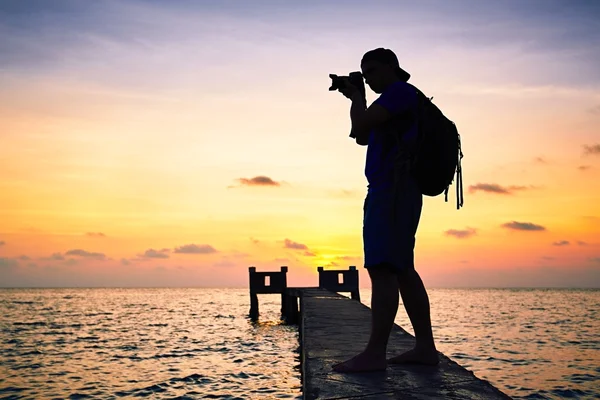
x=143, y=343
x=530, y=343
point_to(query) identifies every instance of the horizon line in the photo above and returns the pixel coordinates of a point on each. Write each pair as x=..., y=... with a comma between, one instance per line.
x=315, y=287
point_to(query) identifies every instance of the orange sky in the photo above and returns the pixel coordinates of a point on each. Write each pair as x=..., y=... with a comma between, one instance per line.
x=177, y=147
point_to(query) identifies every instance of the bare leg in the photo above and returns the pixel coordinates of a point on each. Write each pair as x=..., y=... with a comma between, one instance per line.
x=384, y=305
x=416, y=303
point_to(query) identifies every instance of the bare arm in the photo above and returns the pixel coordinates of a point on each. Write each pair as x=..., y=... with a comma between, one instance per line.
x=357, y=111
x=364, y=119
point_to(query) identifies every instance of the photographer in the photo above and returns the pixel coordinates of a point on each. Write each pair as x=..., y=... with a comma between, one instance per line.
x=392, y=210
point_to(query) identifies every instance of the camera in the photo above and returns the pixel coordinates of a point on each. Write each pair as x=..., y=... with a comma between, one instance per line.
x=355, y=78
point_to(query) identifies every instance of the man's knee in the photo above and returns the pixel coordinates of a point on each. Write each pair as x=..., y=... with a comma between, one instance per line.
x=382, y=271
x=405, y=273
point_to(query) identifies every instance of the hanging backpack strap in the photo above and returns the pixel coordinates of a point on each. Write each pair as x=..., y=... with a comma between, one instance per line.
x=459, y=182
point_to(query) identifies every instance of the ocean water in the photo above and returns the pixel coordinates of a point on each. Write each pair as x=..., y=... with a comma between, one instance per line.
x=144, y=343
x=199, y=343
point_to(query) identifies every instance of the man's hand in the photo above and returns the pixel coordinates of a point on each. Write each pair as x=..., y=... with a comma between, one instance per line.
x=349, y=89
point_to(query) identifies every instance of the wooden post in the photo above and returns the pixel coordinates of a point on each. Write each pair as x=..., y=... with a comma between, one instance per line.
x=355, y=294
x=283, y=296
x=277, y=284
x=253, y=295
x=329, y=280
x=291, y=311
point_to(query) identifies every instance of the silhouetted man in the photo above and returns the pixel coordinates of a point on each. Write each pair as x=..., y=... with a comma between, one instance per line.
x=391, y=211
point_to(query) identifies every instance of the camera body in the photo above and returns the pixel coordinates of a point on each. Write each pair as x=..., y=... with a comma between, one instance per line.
x=355, y=78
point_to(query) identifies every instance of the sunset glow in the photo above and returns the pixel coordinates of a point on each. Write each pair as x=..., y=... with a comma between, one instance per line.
x=145, y=143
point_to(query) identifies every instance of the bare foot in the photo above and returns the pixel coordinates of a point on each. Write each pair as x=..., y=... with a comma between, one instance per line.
x=416, y=356
x=363, y=362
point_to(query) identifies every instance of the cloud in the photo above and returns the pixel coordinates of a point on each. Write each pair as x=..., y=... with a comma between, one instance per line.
x=584, y=167
x=345, y=193
x=53, y=257
x=2, y=242
x=540, y=160
x=591, y=218
x=24, y=258
x=523, y=226
x=548, y=258
x=332, y=264
x=309, y=254
x=151, y=253
x=125, y=261
x=461, y=234
x=595, y=110
x=581, y=243
x=561, y=243
x=281, y=259
x=495, y=188
x=591, y=149
x=595, y=260
x=293, y=245
x=8, y=262
x=349, y=258
x=236, y=254
x=195, y=249
x=258, y=181
x=224, y=264
x=84, y=253
x=255, y=241
x=95, y=234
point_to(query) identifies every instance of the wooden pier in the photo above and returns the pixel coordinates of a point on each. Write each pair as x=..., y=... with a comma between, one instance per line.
x=333, y=328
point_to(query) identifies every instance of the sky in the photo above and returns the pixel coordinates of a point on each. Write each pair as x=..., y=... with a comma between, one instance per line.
x=151, y=143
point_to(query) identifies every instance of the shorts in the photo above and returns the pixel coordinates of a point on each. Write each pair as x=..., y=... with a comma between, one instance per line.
x=390, y=221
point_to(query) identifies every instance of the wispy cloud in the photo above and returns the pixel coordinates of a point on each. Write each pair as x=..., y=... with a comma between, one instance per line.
x=344, y=193
x=332, y=264
x=592, y=218
x=289, y=244
x=540, y=160
x=85, y=253
x=349, y=258
x=561, y=243
x=595, y=110
x=224, y=264
x=592, y=149
x=523, y=226
x=461, y=233
x=495, y=188
x=151, y=253
x=195, y=249
x=257, y=181
x=581, y=243
x=55, y=257
x=95, y=234
x=8, y=262
x=584, y=167
x=2, y=242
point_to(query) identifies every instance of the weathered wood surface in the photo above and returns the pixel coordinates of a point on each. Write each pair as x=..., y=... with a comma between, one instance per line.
x=334, y=328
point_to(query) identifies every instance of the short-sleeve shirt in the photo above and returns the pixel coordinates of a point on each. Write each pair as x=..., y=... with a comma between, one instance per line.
x=400, y=99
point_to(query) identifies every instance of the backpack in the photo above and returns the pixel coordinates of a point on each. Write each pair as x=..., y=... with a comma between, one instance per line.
x=438, y=153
